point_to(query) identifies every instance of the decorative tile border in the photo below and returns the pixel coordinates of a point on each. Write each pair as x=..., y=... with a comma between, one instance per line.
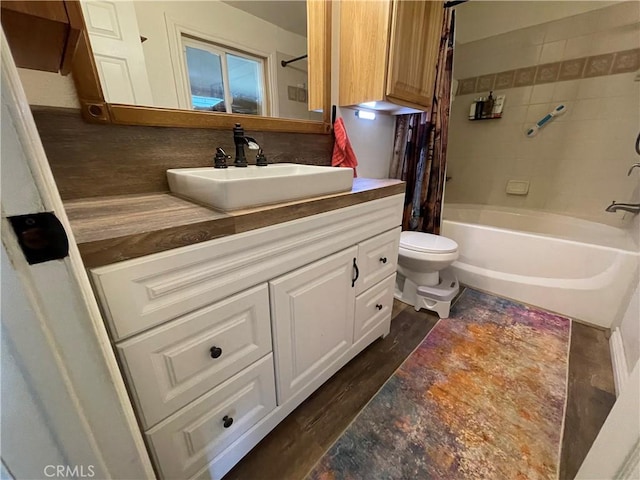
x=575, y=68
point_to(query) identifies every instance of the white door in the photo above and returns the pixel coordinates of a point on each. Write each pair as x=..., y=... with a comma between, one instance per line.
x=117, y=49
x=313, y=308
x=65, y=411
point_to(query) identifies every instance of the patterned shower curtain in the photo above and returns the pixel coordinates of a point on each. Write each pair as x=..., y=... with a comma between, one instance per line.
x=420, y=148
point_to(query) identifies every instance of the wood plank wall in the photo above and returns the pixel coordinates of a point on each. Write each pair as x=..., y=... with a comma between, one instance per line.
x=90, y=160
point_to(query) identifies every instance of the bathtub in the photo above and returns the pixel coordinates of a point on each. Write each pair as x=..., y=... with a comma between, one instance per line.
x=567, y=265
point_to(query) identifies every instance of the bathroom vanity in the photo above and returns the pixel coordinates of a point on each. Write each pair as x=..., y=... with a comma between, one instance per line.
x=221, y=339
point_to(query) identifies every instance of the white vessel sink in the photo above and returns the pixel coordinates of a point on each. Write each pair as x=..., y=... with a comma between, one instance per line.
x=234, y=188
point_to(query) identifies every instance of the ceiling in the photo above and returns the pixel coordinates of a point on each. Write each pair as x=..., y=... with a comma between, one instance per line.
x=290, y=15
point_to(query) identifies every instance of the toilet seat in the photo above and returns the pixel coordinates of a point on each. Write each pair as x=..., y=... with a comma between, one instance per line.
x=427, y=243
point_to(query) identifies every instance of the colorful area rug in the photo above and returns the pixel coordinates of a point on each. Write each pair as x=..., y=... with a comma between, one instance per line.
x=483, y=396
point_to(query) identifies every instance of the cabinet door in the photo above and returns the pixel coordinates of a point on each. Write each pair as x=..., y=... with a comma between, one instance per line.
x=313, y=312
x=364, y=41
x=415, y=41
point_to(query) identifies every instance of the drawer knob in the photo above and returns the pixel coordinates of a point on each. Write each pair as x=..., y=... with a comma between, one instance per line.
x=379, y=307
x=215, y=352
x=383, y=259
x=227, y=421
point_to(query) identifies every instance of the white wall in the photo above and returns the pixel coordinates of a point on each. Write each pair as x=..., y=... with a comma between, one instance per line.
x=372, y=140
x=578, y=163
x=482, y=19
x=47, y=88
x=296, y=75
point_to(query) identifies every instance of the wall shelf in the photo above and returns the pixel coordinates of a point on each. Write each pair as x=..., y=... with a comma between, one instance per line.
x=486, y=118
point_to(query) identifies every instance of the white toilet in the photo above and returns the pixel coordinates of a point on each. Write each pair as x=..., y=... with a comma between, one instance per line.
x=423, y=279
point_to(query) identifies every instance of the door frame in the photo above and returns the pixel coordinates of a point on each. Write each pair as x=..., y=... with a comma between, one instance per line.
x=56, y=335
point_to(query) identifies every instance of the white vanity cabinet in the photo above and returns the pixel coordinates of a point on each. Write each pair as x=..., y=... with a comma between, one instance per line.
x=221, y=340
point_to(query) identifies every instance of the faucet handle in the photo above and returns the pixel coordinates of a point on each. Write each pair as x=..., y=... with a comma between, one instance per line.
x=261, y=159
x=251, y=143
x=632, y=167
x=220, y=160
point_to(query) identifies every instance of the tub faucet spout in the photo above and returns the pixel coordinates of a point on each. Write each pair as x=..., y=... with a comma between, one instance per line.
x=635, y=165
x=627, y=207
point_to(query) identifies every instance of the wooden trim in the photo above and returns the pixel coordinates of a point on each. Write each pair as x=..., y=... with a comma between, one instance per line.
x=319, y=51
x=167, y=117
x=326, y=104
x=76, y=25
x=85, y=77
x=96, y=110
x=85, y=73
x=401, y=102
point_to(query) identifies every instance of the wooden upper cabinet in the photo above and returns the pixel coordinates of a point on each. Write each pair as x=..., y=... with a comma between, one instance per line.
x=42, y=35
x=413, y=50
x=389, y=53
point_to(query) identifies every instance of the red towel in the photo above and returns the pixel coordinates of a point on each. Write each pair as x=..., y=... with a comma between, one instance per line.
x=343, y=155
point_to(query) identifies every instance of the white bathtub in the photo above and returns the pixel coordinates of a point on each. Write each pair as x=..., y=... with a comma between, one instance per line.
x=571, y=266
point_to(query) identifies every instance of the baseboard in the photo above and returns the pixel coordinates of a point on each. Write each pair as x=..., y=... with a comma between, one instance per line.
x=618, y=360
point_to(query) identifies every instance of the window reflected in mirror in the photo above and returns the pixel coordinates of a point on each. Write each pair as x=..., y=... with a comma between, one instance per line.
x=222, y=80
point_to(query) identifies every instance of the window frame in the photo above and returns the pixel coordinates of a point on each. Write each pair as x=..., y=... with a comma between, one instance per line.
x=180, y=72
x=222, y=50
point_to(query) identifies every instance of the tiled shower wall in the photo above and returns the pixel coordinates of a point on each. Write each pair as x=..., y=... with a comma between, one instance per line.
x=578, y=163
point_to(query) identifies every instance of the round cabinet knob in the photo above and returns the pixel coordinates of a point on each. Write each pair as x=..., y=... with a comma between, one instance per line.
x=383, y=259
x=379, y=307
x=227, y=421
x=215, y=352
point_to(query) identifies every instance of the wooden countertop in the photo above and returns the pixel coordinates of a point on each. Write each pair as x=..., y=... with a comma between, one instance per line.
x=115, y=228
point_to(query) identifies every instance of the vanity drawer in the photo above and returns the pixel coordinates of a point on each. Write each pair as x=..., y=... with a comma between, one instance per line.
x=175, y=363
x=373, y=307
x=377, y=259
x=193, y=437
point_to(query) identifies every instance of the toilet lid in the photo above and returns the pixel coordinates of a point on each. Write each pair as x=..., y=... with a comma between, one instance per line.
x=427, y=242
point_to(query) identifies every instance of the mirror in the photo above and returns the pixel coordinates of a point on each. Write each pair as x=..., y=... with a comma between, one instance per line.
x=236, y=57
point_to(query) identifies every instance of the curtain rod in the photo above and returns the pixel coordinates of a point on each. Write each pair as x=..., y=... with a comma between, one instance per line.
x=453, y=3
x=284, y=63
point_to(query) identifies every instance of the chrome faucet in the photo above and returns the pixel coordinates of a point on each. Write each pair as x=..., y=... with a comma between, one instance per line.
x=635, y=165
x=241, y=140
x=627, y=207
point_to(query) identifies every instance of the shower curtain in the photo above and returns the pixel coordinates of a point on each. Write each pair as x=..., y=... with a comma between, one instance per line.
x=420, y=147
